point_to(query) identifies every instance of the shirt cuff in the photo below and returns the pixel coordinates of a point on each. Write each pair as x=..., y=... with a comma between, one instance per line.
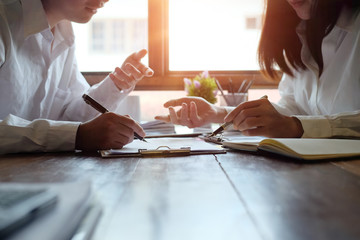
x=62, y=136
x=107, y=93
x=315, y=126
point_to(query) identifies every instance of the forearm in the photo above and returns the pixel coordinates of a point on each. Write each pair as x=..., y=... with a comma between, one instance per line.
x=19, y=135
x=338, y=125
x=105, y=92
x=108, y=94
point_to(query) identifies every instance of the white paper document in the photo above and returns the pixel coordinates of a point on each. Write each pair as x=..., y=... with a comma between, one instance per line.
x=165, y=146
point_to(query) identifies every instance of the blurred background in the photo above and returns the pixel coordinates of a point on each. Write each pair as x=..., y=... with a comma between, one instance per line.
x=214, y=35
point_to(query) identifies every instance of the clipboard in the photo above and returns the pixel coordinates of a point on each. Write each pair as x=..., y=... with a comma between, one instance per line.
x=157, y=148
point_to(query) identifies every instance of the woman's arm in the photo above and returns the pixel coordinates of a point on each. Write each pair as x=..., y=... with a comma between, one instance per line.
x=260, y=118
x=337, y=125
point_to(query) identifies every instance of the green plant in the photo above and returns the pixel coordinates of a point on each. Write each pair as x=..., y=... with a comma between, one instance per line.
x=202, y=85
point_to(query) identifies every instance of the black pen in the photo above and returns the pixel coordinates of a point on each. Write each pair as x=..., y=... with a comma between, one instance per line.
x=224, y=125
x=92, y=102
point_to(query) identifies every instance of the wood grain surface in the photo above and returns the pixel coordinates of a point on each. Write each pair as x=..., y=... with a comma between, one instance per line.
x=237, y=195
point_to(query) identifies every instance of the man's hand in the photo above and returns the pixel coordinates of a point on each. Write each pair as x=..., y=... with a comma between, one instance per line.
x=109, y=130
x=131, y=71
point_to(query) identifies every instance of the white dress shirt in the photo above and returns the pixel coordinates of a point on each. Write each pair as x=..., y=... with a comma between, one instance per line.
x=40, y=85
x=328, y=106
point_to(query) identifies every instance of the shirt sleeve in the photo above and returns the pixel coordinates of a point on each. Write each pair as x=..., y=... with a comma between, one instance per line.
x=105, y=92
x=108, y=94
x=316, y=126
x=287, y=104
x=345, y=125
x=41, y=135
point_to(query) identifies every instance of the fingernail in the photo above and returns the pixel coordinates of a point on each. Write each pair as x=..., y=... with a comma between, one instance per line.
x=149, y=72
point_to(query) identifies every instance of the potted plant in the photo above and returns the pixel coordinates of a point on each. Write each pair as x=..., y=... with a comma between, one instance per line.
x=202, y=85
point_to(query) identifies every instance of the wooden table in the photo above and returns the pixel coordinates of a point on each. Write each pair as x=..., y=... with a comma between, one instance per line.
x=237, y=195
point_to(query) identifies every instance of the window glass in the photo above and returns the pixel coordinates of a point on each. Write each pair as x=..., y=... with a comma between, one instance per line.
x=98, y=36
x=214, y=34
x=114, y=32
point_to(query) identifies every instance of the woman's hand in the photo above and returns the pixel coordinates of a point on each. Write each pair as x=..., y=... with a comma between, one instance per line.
x=131, y=71
x=260, y=118
x=194, y=112
x=109, y=130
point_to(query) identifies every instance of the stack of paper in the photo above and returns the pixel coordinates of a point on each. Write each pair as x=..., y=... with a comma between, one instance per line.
x=158, y=127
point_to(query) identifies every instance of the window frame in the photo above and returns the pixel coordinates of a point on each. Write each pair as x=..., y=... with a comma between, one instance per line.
x=158, y=48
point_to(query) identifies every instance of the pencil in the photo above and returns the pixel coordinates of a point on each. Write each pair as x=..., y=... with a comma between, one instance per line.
x=222, y=91
x=241, y=86
x=248, y=86
x=232, y=91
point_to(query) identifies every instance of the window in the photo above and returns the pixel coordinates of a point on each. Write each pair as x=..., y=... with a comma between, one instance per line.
x=116, y=31
x=118, y=34
x=183, y=38
x=98, y=37
x=253, y=23
x=212, y=35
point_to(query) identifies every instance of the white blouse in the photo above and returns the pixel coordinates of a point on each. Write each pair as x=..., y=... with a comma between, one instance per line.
x=328, y=106
x=40, y=85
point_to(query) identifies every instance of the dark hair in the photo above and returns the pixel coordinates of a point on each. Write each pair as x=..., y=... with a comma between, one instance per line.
x=279, y=39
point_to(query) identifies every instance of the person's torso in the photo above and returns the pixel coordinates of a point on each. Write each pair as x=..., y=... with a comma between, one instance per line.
x=34, y=77
x=338, y=88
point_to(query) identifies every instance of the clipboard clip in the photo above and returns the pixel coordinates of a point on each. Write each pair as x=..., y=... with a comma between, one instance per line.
x=218, y=139
x=165, y=150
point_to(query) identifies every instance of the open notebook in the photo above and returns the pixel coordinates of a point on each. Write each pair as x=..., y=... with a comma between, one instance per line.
x=301, y=148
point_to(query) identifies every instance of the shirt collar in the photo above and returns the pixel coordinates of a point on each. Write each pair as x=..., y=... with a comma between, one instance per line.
x=35, y=19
